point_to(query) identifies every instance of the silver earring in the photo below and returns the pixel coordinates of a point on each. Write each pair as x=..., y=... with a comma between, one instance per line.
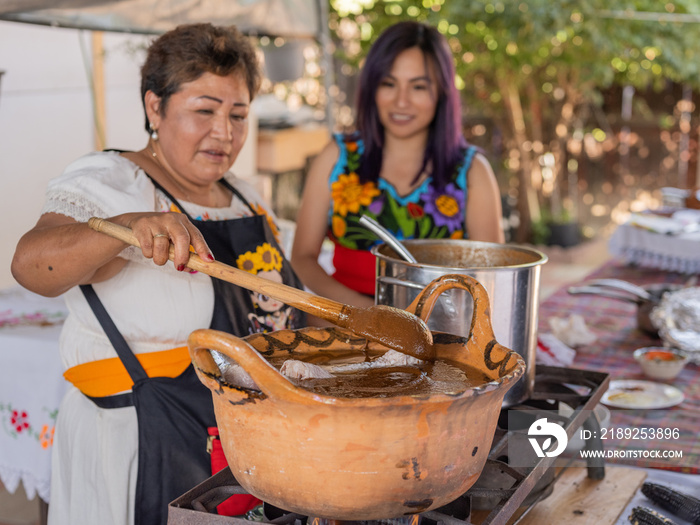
x=154, y=133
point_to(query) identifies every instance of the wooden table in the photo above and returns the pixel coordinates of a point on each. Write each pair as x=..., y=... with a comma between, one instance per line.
x=284, y=150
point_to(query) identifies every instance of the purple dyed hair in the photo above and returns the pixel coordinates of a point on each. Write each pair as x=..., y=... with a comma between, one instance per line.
x=445, y=138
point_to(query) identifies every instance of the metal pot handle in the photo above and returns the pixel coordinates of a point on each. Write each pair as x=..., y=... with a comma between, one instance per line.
x=481, y=337
x=383, y=279
x=617, y=284
x=604, y=292
x=266, y=376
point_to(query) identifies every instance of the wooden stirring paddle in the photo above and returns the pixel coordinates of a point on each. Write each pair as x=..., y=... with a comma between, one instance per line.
x=392, y=327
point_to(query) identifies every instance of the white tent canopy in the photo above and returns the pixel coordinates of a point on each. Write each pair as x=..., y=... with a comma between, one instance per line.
x=294, y=20
x=286, y=18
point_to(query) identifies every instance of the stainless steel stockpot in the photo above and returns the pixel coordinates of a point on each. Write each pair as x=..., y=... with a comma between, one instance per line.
x=510, y=273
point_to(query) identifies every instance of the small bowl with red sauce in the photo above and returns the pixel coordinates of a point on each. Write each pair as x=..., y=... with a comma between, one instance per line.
x=661, y=363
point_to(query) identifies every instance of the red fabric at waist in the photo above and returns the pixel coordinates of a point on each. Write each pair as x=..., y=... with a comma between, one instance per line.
x=238, y=504
x=355, y=269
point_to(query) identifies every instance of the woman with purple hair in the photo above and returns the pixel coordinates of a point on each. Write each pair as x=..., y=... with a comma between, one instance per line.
x=407, y=166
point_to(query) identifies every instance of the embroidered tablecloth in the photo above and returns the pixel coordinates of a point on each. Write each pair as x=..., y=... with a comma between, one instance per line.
x=659, y=242
x=614, y=323
x=31, y=388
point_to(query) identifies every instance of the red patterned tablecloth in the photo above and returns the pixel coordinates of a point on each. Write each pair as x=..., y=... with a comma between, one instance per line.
x=614, y=323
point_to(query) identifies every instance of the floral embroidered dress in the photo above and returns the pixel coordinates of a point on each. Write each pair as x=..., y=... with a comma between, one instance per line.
x=425, y=213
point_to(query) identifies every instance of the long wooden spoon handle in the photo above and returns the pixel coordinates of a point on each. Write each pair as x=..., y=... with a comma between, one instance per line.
x=321, y=307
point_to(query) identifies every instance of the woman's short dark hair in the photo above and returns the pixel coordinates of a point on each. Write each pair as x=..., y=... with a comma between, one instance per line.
x=445, y=139
x=187, y=52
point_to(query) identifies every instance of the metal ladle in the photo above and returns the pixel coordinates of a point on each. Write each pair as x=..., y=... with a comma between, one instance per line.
x=388, y=238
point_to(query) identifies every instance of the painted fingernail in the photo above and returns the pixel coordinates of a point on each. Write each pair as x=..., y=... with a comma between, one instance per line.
x=180, y=267
x=209, y=257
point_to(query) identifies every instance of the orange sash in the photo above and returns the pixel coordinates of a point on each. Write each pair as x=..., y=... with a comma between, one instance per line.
x=107, y=377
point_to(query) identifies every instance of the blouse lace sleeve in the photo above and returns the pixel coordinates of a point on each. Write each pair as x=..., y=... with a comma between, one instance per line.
x=101, y=184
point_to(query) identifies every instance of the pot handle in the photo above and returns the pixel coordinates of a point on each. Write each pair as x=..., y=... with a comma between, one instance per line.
x=617, y=284
x=481, y=337
x=265, y=376
x=383, y=279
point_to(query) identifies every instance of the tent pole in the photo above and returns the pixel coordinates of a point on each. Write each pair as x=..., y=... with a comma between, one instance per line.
x=98, y=88
x=324, y=38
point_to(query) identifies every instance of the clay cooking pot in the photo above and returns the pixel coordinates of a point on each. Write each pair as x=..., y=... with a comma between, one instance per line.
x=361, y=458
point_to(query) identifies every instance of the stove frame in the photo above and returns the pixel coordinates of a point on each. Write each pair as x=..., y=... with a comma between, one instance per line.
x=580, y=389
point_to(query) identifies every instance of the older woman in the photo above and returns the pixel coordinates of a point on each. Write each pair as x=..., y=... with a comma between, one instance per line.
x=131, y=433
x=408, y=166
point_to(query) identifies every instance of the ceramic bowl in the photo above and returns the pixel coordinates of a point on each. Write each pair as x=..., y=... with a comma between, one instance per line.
x=659, y=362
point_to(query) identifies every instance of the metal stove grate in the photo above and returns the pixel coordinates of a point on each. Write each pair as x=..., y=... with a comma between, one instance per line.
x=580, y=389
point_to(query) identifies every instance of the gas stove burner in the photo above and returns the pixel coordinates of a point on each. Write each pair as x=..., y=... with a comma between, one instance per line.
x=502, y=489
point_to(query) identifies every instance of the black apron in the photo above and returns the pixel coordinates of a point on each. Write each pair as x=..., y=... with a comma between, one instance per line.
x=174, y=413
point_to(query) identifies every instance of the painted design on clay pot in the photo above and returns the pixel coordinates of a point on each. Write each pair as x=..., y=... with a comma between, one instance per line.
x=290, y=341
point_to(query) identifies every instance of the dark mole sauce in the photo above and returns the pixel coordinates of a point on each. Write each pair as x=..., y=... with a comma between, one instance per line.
x=438, y=376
